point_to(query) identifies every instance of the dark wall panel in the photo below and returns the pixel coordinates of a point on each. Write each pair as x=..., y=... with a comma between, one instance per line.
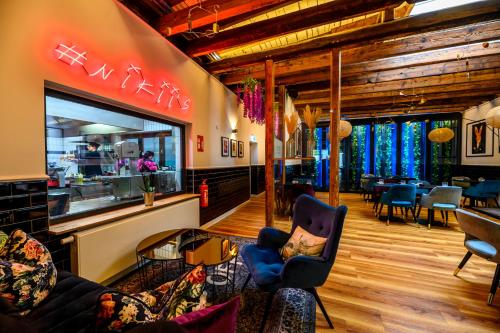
x=227, y=188
x=258, y=178
x=24, y=205
x=476, y=171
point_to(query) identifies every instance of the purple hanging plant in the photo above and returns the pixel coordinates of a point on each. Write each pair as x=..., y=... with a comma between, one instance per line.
x=253, y=106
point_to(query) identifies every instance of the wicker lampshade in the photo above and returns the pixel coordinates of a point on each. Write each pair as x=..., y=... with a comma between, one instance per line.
x=345, y=129
x=441, y=135
x=493, y=117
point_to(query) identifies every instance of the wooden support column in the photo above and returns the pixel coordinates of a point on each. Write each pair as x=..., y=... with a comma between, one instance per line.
x=335, y=85
x=269, y=110
x=281, y=113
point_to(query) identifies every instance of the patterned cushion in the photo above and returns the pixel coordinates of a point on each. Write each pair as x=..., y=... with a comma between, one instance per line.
x=185, y=293
x=303, y=243
x=117, y=312
x=27, y=273
x=3, y=239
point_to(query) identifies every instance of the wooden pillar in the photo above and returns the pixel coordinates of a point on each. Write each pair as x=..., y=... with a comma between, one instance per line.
x=335, y=85
x=281, y=114
x=269, y=109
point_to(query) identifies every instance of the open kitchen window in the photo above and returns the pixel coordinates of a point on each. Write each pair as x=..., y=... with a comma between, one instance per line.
x=97, y=154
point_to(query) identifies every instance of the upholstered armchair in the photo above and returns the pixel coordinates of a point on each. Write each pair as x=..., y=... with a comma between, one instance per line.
x=484, y=191
x=482, y=238
x=442, y=198
x=271, y=273
x=399, y=195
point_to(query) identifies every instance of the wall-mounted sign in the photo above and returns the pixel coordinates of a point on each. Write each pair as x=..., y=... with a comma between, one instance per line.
x=132, y=79
x=199, y=143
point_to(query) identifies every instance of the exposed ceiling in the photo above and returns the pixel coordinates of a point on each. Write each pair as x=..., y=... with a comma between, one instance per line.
x=444, y=61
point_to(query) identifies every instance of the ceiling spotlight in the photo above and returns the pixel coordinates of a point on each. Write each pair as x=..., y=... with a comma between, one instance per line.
x=423, y=100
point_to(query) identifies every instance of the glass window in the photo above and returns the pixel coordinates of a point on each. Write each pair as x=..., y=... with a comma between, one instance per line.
x=385, y=149
x=97, y=154
x=444, y=155
x=413, y=150
x=360, y=154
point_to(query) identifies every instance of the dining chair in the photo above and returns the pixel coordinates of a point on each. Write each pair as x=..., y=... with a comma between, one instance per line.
x=399, y=195
x=482, y=238
x=271, y=273
x=482, y=192
x=442, y=198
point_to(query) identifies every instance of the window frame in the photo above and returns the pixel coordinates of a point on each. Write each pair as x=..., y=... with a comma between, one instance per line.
x=76, y=96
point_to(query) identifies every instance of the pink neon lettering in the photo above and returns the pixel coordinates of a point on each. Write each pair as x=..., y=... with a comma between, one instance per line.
x=133, y=68
x=142, y=85
x=102, y=70
x=70, y=55
x=164, y=85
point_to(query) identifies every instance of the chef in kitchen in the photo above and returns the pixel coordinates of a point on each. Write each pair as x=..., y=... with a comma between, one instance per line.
x=92, y=161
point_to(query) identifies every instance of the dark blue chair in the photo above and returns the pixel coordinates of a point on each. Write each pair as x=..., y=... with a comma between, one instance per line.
x=399, y=195
x=271, y=273
x=484, y=191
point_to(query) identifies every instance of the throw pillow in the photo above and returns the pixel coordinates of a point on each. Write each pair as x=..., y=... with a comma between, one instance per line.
x=217, y=318
x=303, y=243
x=117, y=312
x=185, y=293
x=27, y=273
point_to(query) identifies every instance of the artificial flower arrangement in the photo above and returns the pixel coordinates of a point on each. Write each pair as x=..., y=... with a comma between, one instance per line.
x=253, y=100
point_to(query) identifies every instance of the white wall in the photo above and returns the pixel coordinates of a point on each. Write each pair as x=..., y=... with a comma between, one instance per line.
x=29, y=31
x=478, y=113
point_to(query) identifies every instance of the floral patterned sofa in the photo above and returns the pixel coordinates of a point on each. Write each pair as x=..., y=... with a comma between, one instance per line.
x=34, y=297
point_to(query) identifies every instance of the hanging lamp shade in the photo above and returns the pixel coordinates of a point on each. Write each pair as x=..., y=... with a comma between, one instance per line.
x=345, y=129
x=493, y=117
x=441, y=135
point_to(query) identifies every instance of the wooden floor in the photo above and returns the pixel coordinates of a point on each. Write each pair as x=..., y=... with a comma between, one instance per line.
x=396, y=278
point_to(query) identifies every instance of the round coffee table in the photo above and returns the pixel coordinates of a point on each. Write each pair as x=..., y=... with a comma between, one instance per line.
x=181, y=247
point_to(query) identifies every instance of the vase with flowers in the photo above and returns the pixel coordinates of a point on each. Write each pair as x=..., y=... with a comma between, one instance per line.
x=311, y=118
x=148, y=188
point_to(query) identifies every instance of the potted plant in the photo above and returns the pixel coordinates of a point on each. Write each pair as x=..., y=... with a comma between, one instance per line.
x=148, y=189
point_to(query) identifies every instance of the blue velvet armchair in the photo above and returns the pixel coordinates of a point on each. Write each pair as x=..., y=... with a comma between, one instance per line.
x=484, y=191
x=399, y=195
x=267, y=268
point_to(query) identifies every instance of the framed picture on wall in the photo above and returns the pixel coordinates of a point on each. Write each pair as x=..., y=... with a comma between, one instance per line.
x=234, y=148
x=241, y=146
x=224, y=146
x=478, y=139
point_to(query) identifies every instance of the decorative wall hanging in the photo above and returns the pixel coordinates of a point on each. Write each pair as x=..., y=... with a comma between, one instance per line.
x=479, y=139
x=253, y=101
x=234, y=148
x=441, y=135
x=224, y=146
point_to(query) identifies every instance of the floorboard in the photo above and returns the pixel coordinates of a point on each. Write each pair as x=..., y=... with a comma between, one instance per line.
x=396, y=278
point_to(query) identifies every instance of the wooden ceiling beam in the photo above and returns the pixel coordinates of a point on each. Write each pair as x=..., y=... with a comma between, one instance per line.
x=322, y=97
x=439, y=20
x=288, y=23
x=177, y=22
x=426, y=64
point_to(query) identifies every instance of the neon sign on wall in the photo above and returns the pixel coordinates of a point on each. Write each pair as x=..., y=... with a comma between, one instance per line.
x=163, y=93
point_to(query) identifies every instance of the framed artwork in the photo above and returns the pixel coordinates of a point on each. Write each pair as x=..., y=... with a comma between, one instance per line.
x=234, y=148
x=241, y=146
x=224, y=146
x=479, y=139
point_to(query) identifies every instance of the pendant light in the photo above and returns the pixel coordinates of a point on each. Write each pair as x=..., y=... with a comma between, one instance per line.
x=493, y=117
x=345, y=129
x=441, y=135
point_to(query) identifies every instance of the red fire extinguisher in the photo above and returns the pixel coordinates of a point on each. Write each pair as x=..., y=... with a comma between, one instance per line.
x=204, y=193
